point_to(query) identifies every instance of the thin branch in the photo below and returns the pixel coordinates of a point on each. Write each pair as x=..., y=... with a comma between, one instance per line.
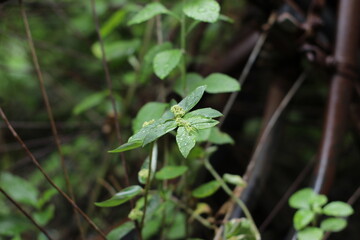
x=25, y=213
x=287, y=194
x=354, y=197
x=270, y=125
x=47, y=177
x=148, y=184
x=245, y=72
x=274, y=118
x=110, y=87
x=193, y=214
x=48, y=109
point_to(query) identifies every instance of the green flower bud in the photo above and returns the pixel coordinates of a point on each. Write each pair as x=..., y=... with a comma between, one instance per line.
x=177, y=111
x=144, y=173
x=146, y=123
x=135, y=214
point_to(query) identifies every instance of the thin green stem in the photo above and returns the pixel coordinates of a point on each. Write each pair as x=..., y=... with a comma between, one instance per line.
x=183, y=48
x=147, y=187
x=191, y=212
x=233, y=197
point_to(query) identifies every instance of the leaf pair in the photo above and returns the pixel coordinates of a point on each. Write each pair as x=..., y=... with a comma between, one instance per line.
x=201, y=10
x=188, y=123
x=209, y=188
x=311, y=205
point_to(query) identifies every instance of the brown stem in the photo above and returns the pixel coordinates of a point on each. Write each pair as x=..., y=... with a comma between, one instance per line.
x=112, y=99
x=47, y=177
x=254, y=54
x=110, y=87
x=286, y=195
x=270, y=125
x=25, y=213
x=354, y=197
x=48, y=109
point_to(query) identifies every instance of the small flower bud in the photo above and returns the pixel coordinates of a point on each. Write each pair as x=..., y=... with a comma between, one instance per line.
x=135, y=214
x=177, y=111
x=144, y=173
x=146, y=123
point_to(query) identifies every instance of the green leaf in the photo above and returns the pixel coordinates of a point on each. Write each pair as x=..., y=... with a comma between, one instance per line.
x=310, y=233
x=206, y=189
x=46, y=196
x=205, y=112
x=148, y=12
x=147, y=66
x=144, y=171
x=239, y=228
x=185, y=141
x=127, y=146
x=234, y=179
x=170, y=172
x=202, y=10
x=218, y=137
x=200, y=122
x=121, y=231
x=192, y=99
x=166, y=61
x=338, y=209
x=317, y=202
x=158, y=131
x=193, y=80
x=202, y=135
x=177, y=228
x=333, y=224
x=302, y=198
x=146, y=130
x=121, y=197
x=114, y=21
x=226, y=19
x=116, y=50
x=90, y=102
x=302, y=218
x=13, y=225
x=221, y=83
x=150, y=111
x=44, y=216
x=150, y=55
x=19, y=189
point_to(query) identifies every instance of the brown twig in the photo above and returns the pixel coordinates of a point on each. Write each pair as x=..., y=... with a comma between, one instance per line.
x=49, y=110
x=286, y=195
x=245, y=72
x=351, y=201
x=270, y=125
x=25, y=213
x=112, y=99
x=47, y=177
x=110, y=87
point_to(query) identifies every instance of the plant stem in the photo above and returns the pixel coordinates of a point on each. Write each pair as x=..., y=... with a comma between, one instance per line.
x=235, y=199
x=49, y=112
x=147, y=187
x=22, y=210
x=47, y=177
x=191, y=212
x=183, y=48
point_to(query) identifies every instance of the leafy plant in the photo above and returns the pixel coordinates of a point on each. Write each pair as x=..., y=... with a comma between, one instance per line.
x=24, y=192
x=189, y=126
x=312, y=208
